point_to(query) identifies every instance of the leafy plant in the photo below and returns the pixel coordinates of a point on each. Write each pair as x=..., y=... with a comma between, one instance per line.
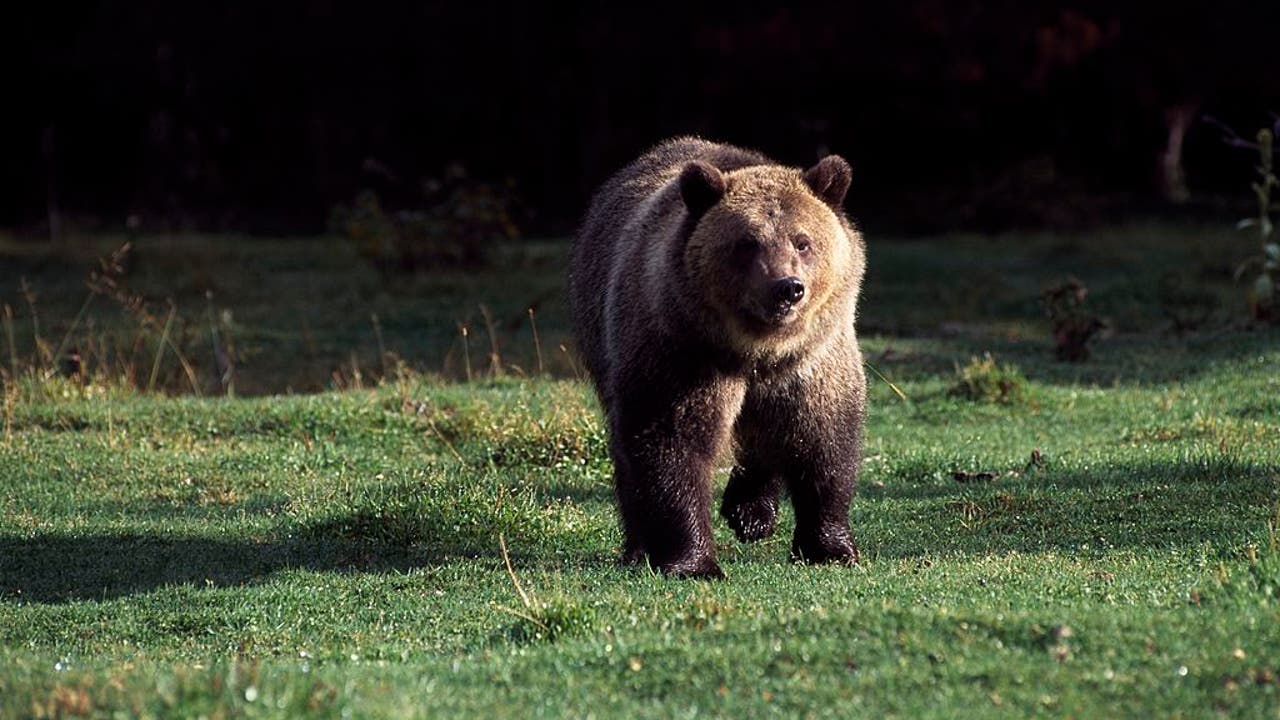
x=1073, y=325
x=985, y=380
x=89, y=358
x=459, y=221
x=1262, y=291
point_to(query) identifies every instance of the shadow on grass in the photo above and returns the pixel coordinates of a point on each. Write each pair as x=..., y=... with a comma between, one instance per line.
x=59, y=568
x=580, y=493
x=1216, y=504
x=1132, y=359
x=1221, y=503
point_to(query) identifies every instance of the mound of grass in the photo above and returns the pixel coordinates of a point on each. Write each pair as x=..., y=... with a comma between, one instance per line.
x=983, y=380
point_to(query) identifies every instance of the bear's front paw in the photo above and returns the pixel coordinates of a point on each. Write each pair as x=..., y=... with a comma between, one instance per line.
x=827, y=548
x=751, y=520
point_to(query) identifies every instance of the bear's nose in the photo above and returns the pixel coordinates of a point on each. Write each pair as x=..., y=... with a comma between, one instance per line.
x=788, y=291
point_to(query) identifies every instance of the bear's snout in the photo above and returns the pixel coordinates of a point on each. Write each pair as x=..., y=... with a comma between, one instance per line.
x=786, y=293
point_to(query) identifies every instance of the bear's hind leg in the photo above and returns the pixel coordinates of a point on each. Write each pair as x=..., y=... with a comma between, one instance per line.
x=672, y=520
x=665, y=449
x=750, y=504
x=633, y=550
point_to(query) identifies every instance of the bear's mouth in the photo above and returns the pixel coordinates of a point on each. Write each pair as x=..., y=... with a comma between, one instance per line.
x=764, y=320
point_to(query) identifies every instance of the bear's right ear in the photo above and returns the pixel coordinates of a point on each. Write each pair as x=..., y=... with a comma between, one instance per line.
x=701, y=186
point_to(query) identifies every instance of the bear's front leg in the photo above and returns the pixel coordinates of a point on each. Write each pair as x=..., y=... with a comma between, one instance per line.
x=807, y=427
x=822, y=521
x=665, y=447
x=822, y=483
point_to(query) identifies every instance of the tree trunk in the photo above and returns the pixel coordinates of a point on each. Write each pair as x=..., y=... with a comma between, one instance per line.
x=1173, y=176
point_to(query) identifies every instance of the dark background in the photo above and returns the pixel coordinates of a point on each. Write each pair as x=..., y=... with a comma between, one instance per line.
x=260, y=116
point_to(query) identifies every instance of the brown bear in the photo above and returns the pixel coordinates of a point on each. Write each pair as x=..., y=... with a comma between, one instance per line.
x=713, y=295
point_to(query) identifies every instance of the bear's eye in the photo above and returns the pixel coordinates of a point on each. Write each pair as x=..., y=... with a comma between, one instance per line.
x=801, y=243
x=745, y=248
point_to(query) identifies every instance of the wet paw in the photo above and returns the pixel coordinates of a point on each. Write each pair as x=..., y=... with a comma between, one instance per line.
x=836, y=548
x=704, y=567
x=751, y=520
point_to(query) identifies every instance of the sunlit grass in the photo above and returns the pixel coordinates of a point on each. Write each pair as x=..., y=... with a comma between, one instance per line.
x=1104, y=546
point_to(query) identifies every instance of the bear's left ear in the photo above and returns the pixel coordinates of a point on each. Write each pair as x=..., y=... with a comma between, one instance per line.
x=701, y=186
x=829, y=179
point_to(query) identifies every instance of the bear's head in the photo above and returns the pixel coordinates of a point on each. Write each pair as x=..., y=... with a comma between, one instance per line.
x=771, y=251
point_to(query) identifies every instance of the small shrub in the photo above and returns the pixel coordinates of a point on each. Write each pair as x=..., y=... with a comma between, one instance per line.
x=1262, y=290
x=548, y=621
x=1073, y=325
x=457, y=225
x=106, y=358
x=984, y=380
x=569, y=439
x=1187, y=305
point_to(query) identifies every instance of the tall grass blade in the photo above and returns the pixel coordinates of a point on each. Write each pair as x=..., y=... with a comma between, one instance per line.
x=466, y=350
x=573, y=364
x=537, y=342
x=164, y=340
x=495, y=359
x=29, y=296
x=66, y=338
x=13, y=346
x=896, y=390
x=506, y=559
x=382, y=348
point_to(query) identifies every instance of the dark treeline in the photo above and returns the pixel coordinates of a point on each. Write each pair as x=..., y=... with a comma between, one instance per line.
x=260, y=116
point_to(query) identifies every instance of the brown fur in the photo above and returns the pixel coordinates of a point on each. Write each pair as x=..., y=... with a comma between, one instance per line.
x=674, y=286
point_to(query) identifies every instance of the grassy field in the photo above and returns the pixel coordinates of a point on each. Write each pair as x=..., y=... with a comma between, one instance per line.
x=1102, y=543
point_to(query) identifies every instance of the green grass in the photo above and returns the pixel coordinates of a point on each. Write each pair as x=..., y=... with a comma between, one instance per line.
x=338, y=554
x=297, y=311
